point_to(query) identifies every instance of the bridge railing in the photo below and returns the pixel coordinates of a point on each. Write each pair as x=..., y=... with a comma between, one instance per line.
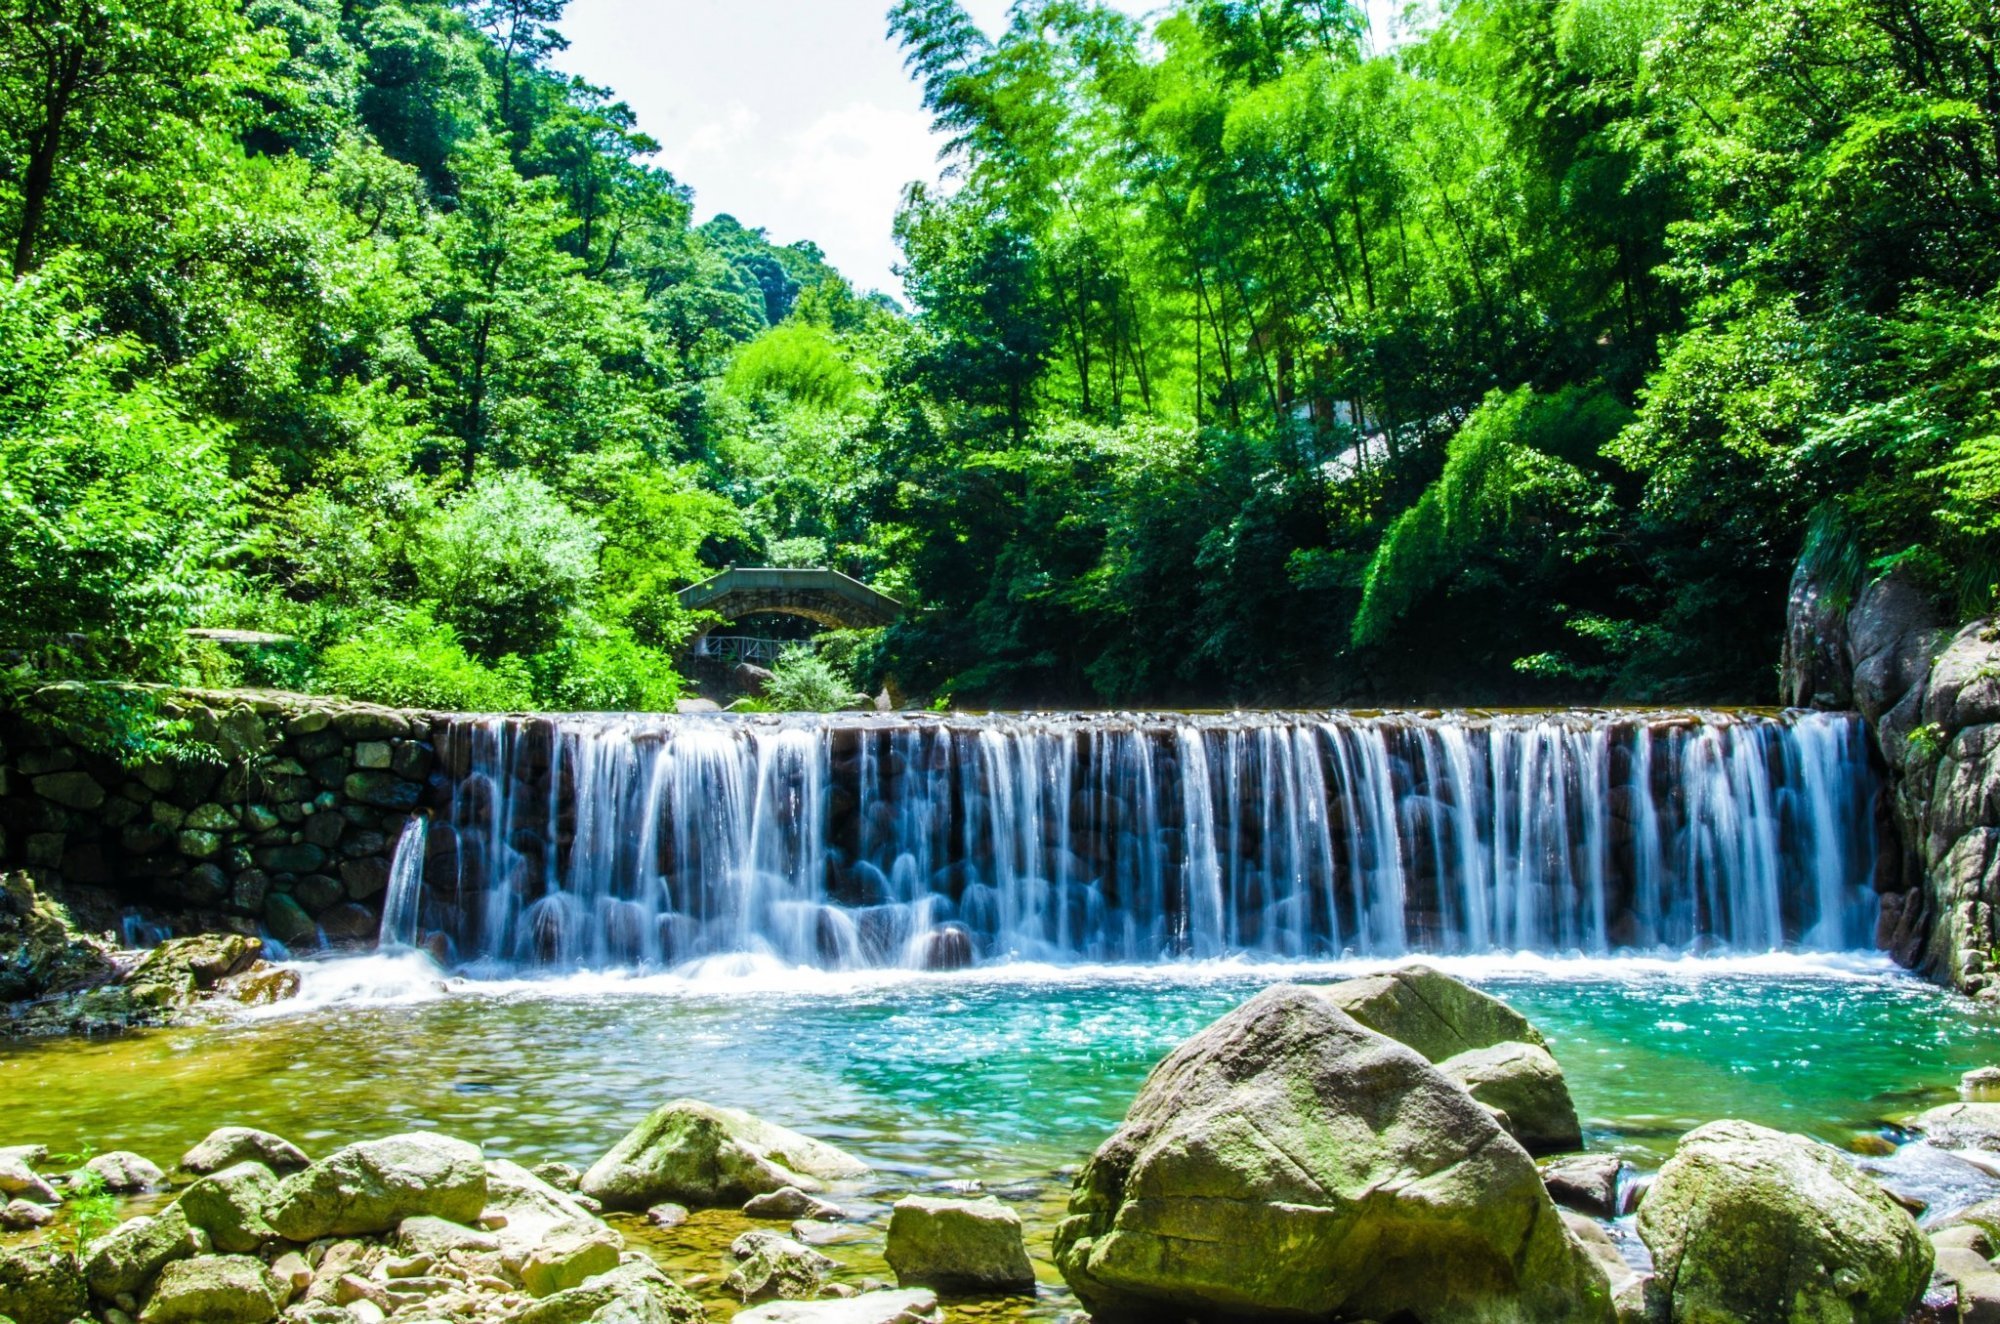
x=746, y=648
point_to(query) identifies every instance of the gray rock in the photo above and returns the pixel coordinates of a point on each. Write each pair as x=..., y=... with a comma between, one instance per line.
x=636, y=1292
x=1586, y=1182
x=438, y=1237
x=1431, y=1012
x=703, y=1156
x=371, y=1187
x=789, y=1203
x=1749, y=1223
x=528, y=1210
x=771, y=1267
x=667, y=1215
x=1974, y=1126
x=1524, y=1082
x=569, y=1255
x=961, y=1246
x=226, y=1146
x=1288, y=1162
x=125, y=1173
x=562, y=1176
x=214, y=1289
x=20, y=1216
x=233, y=1206
x=911, y=1307
x=17, y=1179
x=41, y=1285
x=126, y=1259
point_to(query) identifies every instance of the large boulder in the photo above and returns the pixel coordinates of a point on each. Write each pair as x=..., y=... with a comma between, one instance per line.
x=227, y=1146
x=214, y=1289
x=1288, y=1162
x=958, y=1245
x=371, y=1187
x=703, y=1156
x=231, y=1205
x=1431, y=1012
x=526, y=1212
x=1747, y=1223
x=1961, y=1126
x=1523, y=1082
x=41, y=1285
x=126, y=1259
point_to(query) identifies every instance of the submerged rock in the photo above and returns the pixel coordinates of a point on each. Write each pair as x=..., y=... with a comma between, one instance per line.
x=1431, y=1012
x=703, y=1156
x=1753, y=1224
x=773, y=1267
x=908, y=1307
x=226, y=1146
x=1522, y=1081
x=958, y=1245
x=214, y=1289
x=373, y=1186
x=1289, y=1162
x=41, y=1285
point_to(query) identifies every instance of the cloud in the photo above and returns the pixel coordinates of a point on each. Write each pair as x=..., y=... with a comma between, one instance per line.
x=721, y=136
x=847, y=169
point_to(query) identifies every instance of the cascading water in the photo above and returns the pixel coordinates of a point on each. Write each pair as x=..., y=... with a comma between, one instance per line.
x=849, y=841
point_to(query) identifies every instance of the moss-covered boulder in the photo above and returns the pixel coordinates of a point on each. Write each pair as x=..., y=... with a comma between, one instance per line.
x=705, y=1157
x=214, y=1289
x=1431, y=1012
x=1523, y=1082
x=41, y=1285
x=1750, y=1224
x=230, y=1206
x=958, y=1245
x=42, y=951
x=371, y=1187
x=1290, y=1163
x=635, y=1290
x=125, y=1260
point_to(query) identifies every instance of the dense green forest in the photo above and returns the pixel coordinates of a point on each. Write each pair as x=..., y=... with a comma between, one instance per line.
x=1251, y=357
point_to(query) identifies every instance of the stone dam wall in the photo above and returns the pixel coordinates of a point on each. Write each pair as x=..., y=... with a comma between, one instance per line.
x=290, y=833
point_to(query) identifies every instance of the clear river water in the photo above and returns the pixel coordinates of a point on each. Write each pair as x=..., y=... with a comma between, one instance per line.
x=1005, y=1076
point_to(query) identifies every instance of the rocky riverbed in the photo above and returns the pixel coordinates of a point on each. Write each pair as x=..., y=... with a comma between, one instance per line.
x=1394, y=1146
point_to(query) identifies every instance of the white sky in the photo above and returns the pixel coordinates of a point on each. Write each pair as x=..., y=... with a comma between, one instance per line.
x=795, y=115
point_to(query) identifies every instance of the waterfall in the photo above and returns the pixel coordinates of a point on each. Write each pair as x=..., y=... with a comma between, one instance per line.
x=855, y=840
x=405, y=891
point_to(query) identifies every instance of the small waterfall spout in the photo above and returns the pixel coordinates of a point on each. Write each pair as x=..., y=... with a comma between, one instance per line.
x=851, y=841
x=405, y=892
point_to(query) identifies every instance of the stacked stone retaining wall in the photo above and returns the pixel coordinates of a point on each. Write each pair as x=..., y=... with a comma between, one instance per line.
x=288, y=834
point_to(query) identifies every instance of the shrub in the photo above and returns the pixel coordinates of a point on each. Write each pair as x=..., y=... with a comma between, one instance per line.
x=412, y=660
x=506, y=561
x=803, y=681
x=591, y=669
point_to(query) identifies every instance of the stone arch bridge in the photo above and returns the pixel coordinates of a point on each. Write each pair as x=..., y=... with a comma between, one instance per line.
x=825, y=597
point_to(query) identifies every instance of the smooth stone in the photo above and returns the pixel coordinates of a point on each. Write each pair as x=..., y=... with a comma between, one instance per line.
x=227, y=1146
x=569, y=1255
x=1290, y=1163
x=41, y=1285
x=790, y=1203
x=1749, y=1223
x=232, y=1207
x=18, y=1179
x=127, y=1258
x=20, y=1216
x=562, y=1176
x=524, y=1211
x=667, y=1215
x=214, y=1289
x=900, y=1307
x=372, y=1187
x=773, y=1267
x=1431, y=1012
x=958, y=1246
x=438, y=1237
x=1964, y=1236
x=1523, y=1082
x=1961, y=1126
x=1586, y=1182
x=697, y=1154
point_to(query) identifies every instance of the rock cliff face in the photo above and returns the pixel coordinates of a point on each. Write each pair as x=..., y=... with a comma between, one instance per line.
x=289, y=834
x=1931, y=695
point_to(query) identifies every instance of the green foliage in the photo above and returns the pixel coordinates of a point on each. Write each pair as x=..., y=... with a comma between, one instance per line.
x=803, y=681
x=89, y=1208
x=415, y=661
x=506, y=561
x=796, y=361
